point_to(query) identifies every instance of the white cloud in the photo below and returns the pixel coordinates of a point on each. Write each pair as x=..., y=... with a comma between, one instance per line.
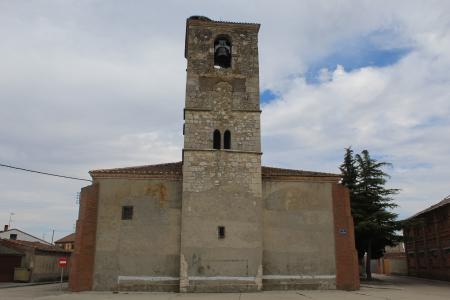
x=399, y=112
x=95, y=84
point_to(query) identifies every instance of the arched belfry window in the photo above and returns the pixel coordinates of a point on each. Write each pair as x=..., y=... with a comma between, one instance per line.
x=216, y=139
x=227, y=140
x=222, y=52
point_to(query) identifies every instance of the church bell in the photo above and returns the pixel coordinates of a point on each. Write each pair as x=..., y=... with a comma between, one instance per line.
x=222, y=54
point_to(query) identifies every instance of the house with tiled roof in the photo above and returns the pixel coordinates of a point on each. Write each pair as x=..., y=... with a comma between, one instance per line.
x=67, y=242
x=216, y=221
x=30, y=261
x=17, y=234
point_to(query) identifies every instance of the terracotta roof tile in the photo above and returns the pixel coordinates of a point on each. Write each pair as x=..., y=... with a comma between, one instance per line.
x=175, y=169
x=35, y=245
x=270, y=171
x=67, y=239
x=159, y=169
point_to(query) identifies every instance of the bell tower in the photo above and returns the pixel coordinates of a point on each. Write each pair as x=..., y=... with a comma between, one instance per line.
x=221, y=222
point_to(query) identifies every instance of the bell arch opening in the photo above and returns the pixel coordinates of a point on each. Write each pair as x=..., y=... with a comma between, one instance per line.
x=222, y=52
x=216, y=139
x=227, y=140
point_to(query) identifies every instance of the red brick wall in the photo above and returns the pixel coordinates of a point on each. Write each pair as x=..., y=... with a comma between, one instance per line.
x=427, y=243
x=80, y=278
x=347, y=272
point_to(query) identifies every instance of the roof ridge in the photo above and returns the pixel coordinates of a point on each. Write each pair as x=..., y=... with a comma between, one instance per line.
x=175, y=168
x=27, y=234
x=302, y=170
x=444, y=201
x=66, y=238
x=134, y=167
x=35, y=245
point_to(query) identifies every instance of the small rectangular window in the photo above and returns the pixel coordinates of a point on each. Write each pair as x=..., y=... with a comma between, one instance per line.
x=221, y=232
x=13, y=236
x=127, y=212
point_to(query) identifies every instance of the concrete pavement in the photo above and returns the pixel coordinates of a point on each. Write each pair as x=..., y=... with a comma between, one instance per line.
x=386, y=287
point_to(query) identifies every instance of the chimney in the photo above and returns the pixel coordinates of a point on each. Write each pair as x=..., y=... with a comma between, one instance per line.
x=6, y=228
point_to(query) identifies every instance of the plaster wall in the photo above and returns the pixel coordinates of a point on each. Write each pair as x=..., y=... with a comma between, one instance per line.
x=142, y=253
x=299, y=249
x=46, y=267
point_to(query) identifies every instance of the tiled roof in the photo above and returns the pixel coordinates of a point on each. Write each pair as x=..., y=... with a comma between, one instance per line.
x=15, y=229
x=272, y=172
x=67, y=239
x=443, y=202
x=206, y=19
x=160, y=169
x=175, y=169
x=34, y=245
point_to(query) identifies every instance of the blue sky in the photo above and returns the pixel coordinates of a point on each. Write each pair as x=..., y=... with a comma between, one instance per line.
x=356, y=54
x=100, y=84
x=352, y=54
x=268, y=95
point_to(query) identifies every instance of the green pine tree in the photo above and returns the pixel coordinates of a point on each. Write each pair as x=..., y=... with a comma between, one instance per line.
x=348, y=169
x=371, y=205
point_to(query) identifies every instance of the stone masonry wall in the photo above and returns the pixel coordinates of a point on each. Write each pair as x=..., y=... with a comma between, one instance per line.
x=200, y=126
x=243, y=76
x=221, y=188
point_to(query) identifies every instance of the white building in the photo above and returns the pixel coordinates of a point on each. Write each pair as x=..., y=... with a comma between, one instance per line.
x=16, y=234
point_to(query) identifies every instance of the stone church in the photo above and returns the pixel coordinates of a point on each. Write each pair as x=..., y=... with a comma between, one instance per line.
x=217, y=221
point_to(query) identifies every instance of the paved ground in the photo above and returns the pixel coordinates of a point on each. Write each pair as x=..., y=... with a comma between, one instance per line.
x=386, y=287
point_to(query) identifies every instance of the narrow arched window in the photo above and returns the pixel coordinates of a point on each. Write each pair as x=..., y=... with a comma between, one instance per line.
x=216, y=139
x=227, y=140
x=222, y=53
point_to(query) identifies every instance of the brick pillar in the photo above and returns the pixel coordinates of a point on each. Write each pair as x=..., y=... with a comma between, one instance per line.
x=82, y=261
x=347, y=269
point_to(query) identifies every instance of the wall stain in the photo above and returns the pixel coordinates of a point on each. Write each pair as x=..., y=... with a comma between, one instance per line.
x=158, y=191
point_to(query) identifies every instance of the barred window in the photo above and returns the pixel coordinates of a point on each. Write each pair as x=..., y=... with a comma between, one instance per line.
x=221, y=232
x=127, y=212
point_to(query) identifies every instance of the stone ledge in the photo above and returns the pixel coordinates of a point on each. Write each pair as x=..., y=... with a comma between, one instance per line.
x=211, y=109
x=224, y=150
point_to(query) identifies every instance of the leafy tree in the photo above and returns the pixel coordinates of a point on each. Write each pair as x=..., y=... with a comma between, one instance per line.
x=371, y=205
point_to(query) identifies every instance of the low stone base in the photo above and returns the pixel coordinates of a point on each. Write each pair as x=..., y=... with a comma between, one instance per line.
x=221, y=287
x=148, y=285
x=221, y=284
x=298, y=284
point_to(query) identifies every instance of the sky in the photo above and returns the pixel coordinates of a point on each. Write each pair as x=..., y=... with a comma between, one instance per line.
x=100, y=84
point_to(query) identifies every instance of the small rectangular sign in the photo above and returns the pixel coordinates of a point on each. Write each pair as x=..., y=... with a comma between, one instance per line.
x=62, y=261
x=343, y=231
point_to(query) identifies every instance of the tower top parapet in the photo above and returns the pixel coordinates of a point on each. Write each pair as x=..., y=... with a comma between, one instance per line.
x=205, y=21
